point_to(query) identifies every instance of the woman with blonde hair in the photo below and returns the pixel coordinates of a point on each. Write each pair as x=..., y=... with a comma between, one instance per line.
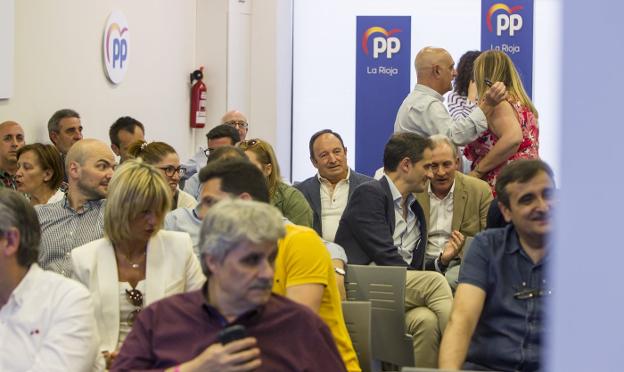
x=136, y=263
x=39, y=173
x=286, y=198
x=165, y=158
x=513, y=132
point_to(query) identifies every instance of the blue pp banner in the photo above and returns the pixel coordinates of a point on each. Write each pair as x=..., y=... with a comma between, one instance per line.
x=382, y=81
x=508, y=26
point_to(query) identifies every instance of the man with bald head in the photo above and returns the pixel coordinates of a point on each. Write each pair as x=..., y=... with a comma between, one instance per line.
x=78, y=218
x=237, y=120
x=423, y=111
x=11, y=140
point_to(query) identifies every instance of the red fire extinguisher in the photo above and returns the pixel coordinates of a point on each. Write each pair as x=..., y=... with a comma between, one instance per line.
x=198, y=99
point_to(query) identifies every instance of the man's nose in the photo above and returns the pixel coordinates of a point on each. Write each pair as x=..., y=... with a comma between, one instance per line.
x=267, y=270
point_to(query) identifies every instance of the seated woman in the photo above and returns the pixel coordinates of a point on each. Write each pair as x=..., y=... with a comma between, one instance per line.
x=166, y=159
x=513, y=132
x=287, y=199
x=39, y=173
x=136, y=263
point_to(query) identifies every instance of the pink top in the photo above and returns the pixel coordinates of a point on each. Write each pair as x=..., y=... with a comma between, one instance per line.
x=476, y=150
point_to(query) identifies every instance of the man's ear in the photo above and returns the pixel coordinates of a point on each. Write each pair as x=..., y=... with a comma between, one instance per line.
x=314, y=162
x=211, y=262
x=115, y=149
x=404, y=164
x=74, y=170
x=53, y=136
x=505, y=211
x=11, y=240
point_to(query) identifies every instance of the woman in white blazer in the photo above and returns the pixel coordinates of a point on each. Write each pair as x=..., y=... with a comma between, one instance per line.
x=136, y=263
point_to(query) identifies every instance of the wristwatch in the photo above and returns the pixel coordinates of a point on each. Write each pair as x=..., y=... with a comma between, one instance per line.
x=340, y=271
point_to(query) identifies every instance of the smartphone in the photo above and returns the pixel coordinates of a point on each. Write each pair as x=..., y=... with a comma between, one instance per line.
x=488, y=82
x=232, y=333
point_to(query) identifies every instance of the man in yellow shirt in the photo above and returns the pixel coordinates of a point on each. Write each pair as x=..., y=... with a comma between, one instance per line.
x=303, y=269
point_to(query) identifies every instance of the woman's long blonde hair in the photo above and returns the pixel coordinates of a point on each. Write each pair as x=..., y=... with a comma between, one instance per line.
x=497, y=66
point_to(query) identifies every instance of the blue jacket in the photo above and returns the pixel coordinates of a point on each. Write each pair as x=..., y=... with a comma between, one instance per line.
x=367, y=226
x=311, y=189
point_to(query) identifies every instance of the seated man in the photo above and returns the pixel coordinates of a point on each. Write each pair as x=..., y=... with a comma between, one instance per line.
x=79, y=217
x=385, y=225
x=180, y=333
x=219, y=136
x=453, y=202
x=189, y=219
x=328, y=191
x=303, y=268
x=497, y=316
x=11, y=140
x=46, y=320
x=124, y=132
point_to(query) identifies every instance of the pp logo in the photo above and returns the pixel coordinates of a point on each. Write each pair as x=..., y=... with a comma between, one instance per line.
x=386, y=44
x=116, y=47
x=505, y=22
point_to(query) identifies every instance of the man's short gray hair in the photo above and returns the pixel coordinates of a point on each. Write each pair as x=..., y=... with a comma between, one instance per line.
x=16, y=212
x=439, y=139
x=234, y=221
x=55, y=120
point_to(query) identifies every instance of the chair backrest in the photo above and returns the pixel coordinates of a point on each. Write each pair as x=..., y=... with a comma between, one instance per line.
x=357, y=316
x=384, y=287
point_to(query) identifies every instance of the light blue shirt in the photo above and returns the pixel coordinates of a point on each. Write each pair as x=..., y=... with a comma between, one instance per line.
x=185, y=220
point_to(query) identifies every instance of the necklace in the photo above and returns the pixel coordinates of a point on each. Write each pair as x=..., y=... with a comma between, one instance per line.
x=133, y=265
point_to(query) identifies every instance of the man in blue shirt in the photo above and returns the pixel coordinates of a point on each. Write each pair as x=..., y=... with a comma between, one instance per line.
x=497, y=315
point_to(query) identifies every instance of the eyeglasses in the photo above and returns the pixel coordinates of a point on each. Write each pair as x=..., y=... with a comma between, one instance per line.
x=171, y=170
x=249, y=143
x=527, y=294
x=135, y=297
x=237, y=124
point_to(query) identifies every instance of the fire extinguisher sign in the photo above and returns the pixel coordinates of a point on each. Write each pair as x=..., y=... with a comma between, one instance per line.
x=116, y=46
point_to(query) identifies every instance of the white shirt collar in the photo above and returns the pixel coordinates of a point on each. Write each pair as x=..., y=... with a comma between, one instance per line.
x=325, y=180
x=427, y=90
x=396, y=194
x=449, y=195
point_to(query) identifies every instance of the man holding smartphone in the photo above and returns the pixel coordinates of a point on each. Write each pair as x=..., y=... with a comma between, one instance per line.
x=200, y=331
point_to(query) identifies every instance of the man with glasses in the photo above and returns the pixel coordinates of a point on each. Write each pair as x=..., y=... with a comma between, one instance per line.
x=238, y=121
x=78, y=218
x=423, y=111
x=46, y=321
x=219, y=136
x=496, y=322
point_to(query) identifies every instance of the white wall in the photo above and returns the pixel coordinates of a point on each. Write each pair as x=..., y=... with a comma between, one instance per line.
x=324, y=62
x=59, y=64
x=7, y=36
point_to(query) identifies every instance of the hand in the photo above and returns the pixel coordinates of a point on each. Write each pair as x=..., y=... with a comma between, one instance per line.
x=495, y=94
x=452, y=247
x=110, y=357
x=240, y=355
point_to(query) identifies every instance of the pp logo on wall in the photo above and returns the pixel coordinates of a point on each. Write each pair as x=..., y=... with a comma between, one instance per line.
x=508, y=26
x=382, y=81
x=116, y=47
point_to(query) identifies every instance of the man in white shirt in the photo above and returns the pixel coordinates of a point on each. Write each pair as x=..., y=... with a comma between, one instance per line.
x=451, y=202
x=46, y=321
x=423, y=111
x=327, y=192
